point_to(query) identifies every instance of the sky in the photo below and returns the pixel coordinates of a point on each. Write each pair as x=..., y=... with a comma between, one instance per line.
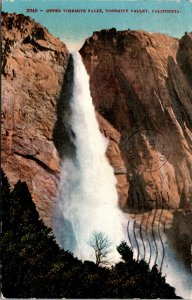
x=74, y=28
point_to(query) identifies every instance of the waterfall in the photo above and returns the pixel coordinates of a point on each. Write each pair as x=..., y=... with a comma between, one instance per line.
x=88, y=199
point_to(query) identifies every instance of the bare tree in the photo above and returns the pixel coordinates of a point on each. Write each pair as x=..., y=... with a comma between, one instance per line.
x=101, y=244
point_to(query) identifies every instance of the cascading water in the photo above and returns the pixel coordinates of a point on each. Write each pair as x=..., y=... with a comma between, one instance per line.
x=88, y=199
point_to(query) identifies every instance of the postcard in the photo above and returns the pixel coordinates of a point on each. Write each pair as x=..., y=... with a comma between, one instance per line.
x=96, y=149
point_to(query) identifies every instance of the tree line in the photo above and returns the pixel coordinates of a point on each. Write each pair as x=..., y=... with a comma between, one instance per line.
x=34, y=266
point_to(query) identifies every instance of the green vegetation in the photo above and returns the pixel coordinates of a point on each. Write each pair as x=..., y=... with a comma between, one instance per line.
x=33, y=265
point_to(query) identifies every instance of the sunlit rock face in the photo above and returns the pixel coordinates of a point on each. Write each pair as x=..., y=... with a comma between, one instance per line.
x=141, y=86
x=33, y=67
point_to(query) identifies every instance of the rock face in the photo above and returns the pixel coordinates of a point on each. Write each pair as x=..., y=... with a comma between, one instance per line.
x=33, y=68
x=141, y=86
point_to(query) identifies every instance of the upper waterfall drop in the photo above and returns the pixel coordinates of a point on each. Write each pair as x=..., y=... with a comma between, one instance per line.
x=88, y=199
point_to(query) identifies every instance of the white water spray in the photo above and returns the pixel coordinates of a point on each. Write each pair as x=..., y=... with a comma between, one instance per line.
x=88, y=198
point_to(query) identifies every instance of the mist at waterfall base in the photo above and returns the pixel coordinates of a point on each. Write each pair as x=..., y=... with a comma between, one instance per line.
x=88, y=197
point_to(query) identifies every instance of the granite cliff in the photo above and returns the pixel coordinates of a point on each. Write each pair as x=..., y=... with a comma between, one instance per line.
x=33, y=66
x=141, y=87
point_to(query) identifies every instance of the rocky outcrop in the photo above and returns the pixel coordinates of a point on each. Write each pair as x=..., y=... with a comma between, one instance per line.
x=33, y=68
x=184, y=56
x=141, y=85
